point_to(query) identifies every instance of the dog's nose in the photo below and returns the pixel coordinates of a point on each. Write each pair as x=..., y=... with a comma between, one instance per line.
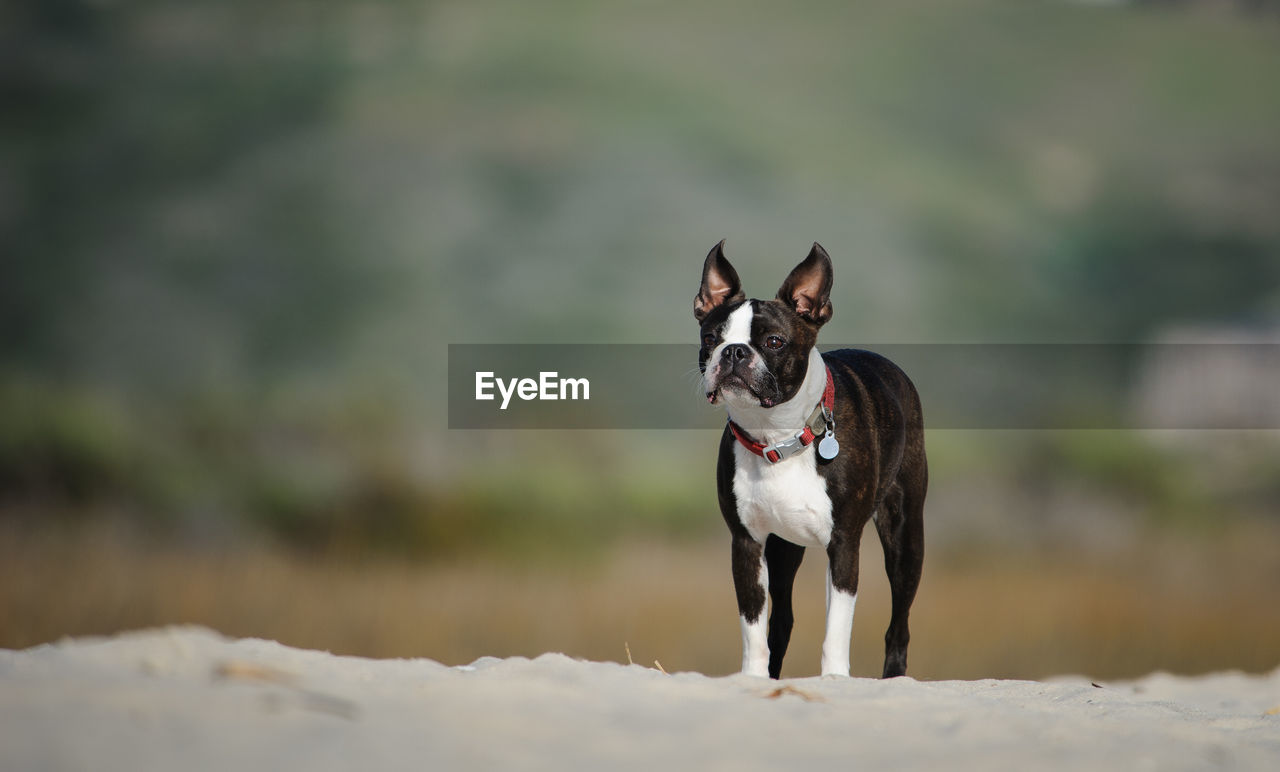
x=735, y=353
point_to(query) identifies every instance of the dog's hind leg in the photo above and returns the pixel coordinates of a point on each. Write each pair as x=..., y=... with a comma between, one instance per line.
x=783, y=559
x=901, y=529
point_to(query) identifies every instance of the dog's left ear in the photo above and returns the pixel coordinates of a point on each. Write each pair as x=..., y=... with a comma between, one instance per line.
x=808, y=288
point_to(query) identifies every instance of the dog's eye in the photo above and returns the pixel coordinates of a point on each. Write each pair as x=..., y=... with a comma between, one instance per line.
x=773, y=341
x=708, y=340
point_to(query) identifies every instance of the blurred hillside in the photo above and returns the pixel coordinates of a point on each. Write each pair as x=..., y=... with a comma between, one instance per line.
x=239, y=236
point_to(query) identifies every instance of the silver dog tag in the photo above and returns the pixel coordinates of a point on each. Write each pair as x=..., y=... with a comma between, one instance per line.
x=828, y=447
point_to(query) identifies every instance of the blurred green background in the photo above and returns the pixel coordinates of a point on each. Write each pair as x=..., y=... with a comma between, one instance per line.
x=237, y=238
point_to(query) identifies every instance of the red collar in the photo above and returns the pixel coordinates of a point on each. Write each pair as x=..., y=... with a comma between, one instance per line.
x=801, y=439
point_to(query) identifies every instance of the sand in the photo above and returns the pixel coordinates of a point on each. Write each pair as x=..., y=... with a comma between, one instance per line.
x=186, y=698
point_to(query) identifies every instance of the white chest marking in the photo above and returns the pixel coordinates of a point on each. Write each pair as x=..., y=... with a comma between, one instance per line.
x=788, y=499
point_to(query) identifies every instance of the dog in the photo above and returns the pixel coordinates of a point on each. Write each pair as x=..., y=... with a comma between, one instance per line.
x=815, y=446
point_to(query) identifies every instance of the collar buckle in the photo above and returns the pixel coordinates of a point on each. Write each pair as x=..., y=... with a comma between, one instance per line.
x=777, y=451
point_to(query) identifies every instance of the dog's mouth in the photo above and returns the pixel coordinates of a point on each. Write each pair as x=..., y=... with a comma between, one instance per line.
x=733, y=382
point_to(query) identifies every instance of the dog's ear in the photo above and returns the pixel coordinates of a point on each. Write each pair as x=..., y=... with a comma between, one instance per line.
x=808, y=288
x=720, y=284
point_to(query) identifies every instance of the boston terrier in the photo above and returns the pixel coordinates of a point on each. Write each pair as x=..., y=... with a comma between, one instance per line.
x=815, y=446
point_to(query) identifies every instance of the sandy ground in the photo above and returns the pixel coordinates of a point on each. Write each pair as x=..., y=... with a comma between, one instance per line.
x=190, y=699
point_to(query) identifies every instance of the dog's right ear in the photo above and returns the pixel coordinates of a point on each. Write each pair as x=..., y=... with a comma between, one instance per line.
x=808, y=288
x=720, y=284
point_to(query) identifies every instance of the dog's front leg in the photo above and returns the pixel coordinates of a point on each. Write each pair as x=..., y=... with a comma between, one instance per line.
x=751, y=581
x=842, y=596
x=835, y=647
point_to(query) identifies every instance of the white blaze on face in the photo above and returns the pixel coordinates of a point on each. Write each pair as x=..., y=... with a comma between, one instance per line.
x=736, y=329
